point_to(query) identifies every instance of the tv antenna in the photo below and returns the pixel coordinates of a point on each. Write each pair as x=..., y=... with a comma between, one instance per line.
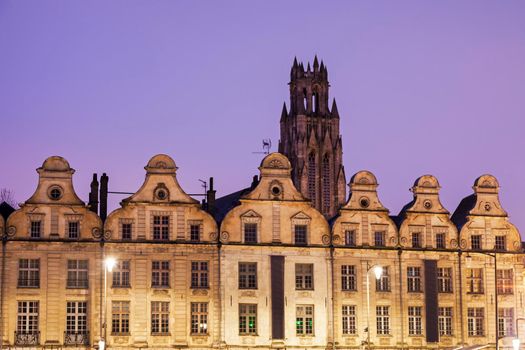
x=266, y=145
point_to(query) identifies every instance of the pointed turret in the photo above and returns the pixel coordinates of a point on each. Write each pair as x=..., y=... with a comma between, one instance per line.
x=316, y=64
x=334, y=112
x=308, y=70
x=284, y=113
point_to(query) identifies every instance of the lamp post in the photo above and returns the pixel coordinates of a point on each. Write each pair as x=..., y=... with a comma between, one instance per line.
x=493, y=256
x=378, y=271
x=516, y=341
x=109, y=264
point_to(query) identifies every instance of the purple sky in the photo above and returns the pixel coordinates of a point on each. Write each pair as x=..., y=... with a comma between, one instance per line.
x=422, y=87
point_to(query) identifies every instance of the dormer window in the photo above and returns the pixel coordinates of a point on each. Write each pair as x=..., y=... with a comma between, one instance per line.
x=250, y=233
x=379, y=239
x=36, y=229
x=500, y=243
x=440, y=241
x=73, y=231
x=416, y=239
x=350, y=238
x=475, y=242
x=161, y=227
x=300, y=232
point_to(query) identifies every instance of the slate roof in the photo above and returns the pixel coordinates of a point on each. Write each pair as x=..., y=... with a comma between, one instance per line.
x=6, y=210
x=459, y=218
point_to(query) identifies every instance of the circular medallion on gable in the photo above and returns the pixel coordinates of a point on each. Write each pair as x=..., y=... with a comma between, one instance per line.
x=427, y=204
x=55, y=192
x=161, y=192
x=364, y=202
x=487, y=207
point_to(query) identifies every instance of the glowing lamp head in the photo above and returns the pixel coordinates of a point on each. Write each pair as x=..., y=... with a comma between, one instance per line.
x=378, y=271
x=110, y=263
x=101, y=344
x=516, y=344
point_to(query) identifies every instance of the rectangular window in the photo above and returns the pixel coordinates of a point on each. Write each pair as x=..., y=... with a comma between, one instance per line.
x=36, y=229
x=199, y=274
x=500, y=243
x=414, y=320
x=160, y=274
x=250, y=233
x=350, y=238
x=304, y=320
x=383, y=320
x=195, y=232
x=475, y=321
x=77, y=274
x=73, y=231
x=121, y=274
x=505, y=281
x=475, y=281
x=445, y=320
x=199, y=318
x=76, y=318
x=475, y=242
x=27, y=321
x=160, y=318
x=28, y=273
x=383, y=283
x=247, y=275
x=349, y=319
x=161, y=227
x=120, y=318
x=300, y=234
x=444, y=275
x=304, y=276
x=348, y=277
x=379, y=239
x=414, y=279
x=506, y=322
x=416, y=239
x=247, y=319
x=127, y=231
x=440, y=241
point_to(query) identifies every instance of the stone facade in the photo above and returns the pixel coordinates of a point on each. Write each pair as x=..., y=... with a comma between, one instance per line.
x=276, y=274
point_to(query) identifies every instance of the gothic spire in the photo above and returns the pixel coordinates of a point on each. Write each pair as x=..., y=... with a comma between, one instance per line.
x=284, y=113
x=334, y=112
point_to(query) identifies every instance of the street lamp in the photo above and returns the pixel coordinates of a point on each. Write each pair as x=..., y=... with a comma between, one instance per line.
x=493, y=256
x=109, y=264
x=378, y=271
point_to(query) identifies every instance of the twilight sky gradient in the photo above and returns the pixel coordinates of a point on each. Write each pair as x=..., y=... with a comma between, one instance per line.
x=422, y=87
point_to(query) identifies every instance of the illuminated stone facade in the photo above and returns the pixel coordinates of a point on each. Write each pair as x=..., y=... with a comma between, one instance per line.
x=276, y=275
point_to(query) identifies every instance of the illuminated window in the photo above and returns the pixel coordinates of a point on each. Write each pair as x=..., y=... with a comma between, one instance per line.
x=199, y=274
x=349, y=319
x=160, y=318
x=304, y=276
x=348, y=277
x=476, y=321
x=383, y=283
x=160, y=274
x=28, y=273
x=414, y=320
x=199, y=318
x=506, y=322
x=444, y=275
x=120, y=317
x=475, y=281
x=247, y=319
x=505, y=281
x=121, y=274
x=445, y=320
x=247, y=275
x=414, y=279
x=383, y=320
x=304, y=320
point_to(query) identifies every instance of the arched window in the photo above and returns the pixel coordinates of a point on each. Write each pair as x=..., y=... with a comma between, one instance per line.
x=326, y=183
x=305, y=102
x=311, y=177
x=315, y=102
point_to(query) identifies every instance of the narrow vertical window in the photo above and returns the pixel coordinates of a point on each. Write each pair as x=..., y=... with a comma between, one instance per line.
x=160, y=317
x=311, y=178
x=250, y=232
x=326, y=184
x=199, y=318
x=445, y=321
x=127, y=230
x=73, y=231
x=440, y=241
x=199, y=274
x=348, y=278
x=414, y=279
x=161, y=227
x=416, y=239
x=36, y=229
x=28, y=273
x=120, y=318
x=304, y=320
x=414, y=320
x=300, y=234
x=247, y=319
x=195, y=232
x=349, y=319
x=383, y=320
x=444, y=275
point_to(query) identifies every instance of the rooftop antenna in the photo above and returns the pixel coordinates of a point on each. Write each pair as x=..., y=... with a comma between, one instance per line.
x=204, y=185
x=266, y=145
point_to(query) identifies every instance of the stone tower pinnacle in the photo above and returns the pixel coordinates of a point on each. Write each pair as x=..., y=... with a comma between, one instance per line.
x=310, y=138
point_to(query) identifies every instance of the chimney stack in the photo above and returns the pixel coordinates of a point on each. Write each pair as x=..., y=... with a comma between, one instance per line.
x=210, y=198
x=104, y=179
x=93, y=195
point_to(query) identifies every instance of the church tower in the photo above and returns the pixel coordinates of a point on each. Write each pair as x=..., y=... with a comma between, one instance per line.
x=310, y=138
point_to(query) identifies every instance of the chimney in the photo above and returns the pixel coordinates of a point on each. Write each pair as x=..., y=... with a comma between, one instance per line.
x=104, y=179
x=255, y=182
x=93, y=195
x=210, y=198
